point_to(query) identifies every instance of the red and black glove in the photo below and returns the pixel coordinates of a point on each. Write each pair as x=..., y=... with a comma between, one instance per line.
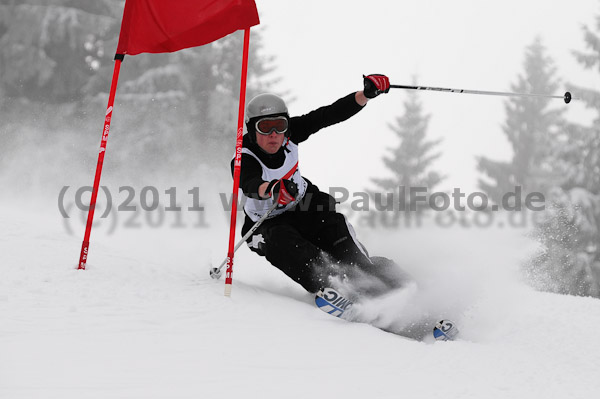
x=284, y=191
x=375, y=85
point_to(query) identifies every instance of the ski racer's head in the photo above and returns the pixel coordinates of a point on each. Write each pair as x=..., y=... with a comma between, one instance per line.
x=267, y=121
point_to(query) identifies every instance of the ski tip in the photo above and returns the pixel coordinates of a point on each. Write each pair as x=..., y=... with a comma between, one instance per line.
x=332, y=302
x=445, y=330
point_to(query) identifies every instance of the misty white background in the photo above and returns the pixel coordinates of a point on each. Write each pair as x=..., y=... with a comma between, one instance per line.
x=146, y=321
x=322, y=48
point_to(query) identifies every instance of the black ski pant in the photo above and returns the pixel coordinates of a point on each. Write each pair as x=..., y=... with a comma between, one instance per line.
x=312, y=243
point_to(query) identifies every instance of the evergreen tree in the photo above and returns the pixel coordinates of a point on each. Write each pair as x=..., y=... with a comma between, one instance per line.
x=531, y=126
x=409, y=163
x=570, y=234
x=569, y=262
x=51, y=51
x=173, y=111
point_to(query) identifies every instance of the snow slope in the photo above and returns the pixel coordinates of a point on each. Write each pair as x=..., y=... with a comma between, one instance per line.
x=146, y=321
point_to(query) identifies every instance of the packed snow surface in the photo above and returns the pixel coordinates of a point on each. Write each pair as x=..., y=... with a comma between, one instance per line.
x=146, y=321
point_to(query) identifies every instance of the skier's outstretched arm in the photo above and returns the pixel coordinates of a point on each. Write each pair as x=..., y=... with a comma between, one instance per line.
x=304, y=126
x=360, y=98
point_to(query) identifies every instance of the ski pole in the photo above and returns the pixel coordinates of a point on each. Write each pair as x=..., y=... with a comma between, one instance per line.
x=216, y=272
x=566, y=97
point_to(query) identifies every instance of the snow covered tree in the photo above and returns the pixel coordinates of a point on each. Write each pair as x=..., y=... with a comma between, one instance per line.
x=409, y=163
x=173, y=110
x=570, y=260
x=52, y=50
x=531, y=126
x=51, y=53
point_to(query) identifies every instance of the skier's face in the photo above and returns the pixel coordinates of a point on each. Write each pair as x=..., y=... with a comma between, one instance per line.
x=271, y=143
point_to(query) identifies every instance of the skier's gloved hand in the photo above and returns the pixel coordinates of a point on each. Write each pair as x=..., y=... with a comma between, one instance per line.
x=375, y=85
x=284, y=191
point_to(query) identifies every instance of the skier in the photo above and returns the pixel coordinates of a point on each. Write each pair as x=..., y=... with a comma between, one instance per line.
x=304, y=236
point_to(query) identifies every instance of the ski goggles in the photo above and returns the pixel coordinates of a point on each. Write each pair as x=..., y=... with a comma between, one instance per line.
x=266, y=126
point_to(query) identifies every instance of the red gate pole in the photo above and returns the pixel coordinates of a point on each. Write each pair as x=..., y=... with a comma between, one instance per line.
x=237, y=165
x=111, y=99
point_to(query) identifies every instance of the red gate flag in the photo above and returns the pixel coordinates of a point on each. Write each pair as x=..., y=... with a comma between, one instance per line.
x=164, y=26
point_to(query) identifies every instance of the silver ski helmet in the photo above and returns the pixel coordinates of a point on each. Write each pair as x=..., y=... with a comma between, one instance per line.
x=264, y=105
